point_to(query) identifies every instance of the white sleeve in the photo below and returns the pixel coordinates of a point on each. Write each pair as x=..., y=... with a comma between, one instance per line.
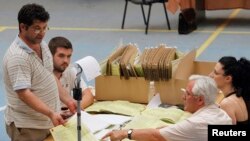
x=83, y=84
x=184, y=131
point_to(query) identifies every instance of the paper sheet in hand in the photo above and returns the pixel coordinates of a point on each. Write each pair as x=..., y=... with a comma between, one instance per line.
x=90, y=67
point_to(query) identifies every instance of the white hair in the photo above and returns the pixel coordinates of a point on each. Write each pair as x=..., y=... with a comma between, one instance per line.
x=204, y=86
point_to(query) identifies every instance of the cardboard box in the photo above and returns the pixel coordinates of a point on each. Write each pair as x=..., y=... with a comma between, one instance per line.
x=170, y=92
x=137, y=89
x=118, y=88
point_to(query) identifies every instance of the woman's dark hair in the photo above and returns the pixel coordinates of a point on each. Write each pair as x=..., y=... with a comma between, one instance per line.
x=30, y=12
x=244, y=70
x=239, y=71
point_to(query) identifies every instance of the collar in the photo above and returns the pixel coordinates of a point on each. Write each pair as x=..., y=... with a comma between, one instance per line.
x=204, y=107
x=25, y=47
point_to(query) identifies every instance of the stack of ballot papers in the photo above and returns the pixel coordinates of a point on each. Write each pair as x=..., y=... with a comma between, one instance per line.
x=157, y=117
x=116, y=107
x=155, y=63
x=121, y=61
x=93, y=127
x=150, y=116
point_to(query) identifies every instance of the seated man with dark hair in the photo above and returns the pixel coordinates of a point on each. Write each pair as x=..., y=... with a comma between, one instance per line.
x=61, y=49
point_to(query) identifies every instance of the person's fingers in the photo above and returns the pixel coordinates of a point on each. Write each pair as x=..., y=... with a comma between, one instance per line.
x=106, y=139
x=54, y=120
x=62, y=121
x=57, y=122
x=105, y=136
x=74, y=107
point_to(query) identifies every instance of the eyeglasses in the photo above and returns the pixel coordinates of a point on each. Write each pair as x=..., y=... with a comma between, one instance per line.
x=185, y=91
x=39, y=30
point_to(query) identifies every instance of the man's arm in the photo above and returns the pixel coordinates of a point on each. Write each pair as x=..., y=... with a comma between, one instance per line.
x=87, y=98
x=35, y=103
x=137, y=134
x=66, y=98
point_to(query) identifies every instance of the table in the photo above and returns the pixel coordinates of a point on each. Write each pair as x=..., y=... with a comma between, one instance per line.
x=50, y=138
x=201, y=5
x=174, y=5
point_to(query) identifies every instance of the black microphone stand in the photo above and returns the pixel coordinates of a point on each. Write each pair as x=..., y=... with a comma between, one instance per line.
x=77, y=94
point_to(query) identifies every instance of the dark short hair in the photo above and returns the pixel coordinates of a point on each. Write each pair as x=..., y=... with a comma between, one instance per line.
x=59, y=41
x=30, y=12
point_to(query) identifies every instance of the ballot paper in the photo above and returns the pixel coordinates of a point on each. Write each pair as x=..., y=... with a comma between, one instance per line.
x=90, y=67
x=93, y=126
x=155, y=101
x=68, y=131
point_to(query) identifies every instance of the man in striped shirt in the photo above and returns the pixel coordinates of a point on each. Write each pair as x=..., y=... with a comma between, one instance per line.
x=32, y=91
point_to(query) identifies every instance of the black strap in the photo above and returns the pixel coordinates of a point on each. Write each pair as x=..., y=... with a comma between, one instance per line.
x=234, y=92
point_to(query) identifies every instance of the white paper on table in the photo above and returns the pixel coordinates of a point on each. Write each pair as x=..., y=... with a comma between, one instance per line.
x=102, y=133
x=94, y=124
x=155, y=101
x=90, y=67
x=113, y=119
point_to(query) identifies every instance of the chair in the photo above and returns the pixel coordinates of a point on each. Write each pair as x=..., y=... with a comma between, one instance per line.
x=149, y=3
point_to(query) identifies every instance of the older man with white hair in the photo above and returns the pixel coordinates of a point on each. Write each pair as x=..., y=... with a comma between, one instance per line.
x=198, y=97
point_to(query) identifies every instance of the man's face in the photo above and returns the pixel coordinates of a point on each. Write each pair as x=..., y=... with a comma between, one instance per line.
x=35, y=33
x=218, y=75
x=62, y=58
x=190, y=101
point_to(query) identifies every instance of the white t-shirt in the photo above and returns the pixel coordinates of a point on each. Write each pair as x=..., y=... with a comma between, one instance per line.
x=68, y=80
x=195, y=128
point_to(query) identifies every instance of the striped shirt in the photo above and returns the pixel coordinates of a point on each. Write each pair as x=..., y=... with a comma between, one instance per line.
x=23, y=69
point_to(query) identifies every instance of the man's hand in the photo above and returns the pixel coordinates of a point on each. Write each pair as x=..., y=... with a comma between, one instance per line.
x=71, y=104
x=115, y=135
x=28, y=97
x=56, y=119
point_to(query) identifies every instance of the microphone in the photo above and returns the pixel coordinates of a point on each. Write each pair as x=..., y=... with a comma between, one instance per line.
x=91, y=69
x=89, y=66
